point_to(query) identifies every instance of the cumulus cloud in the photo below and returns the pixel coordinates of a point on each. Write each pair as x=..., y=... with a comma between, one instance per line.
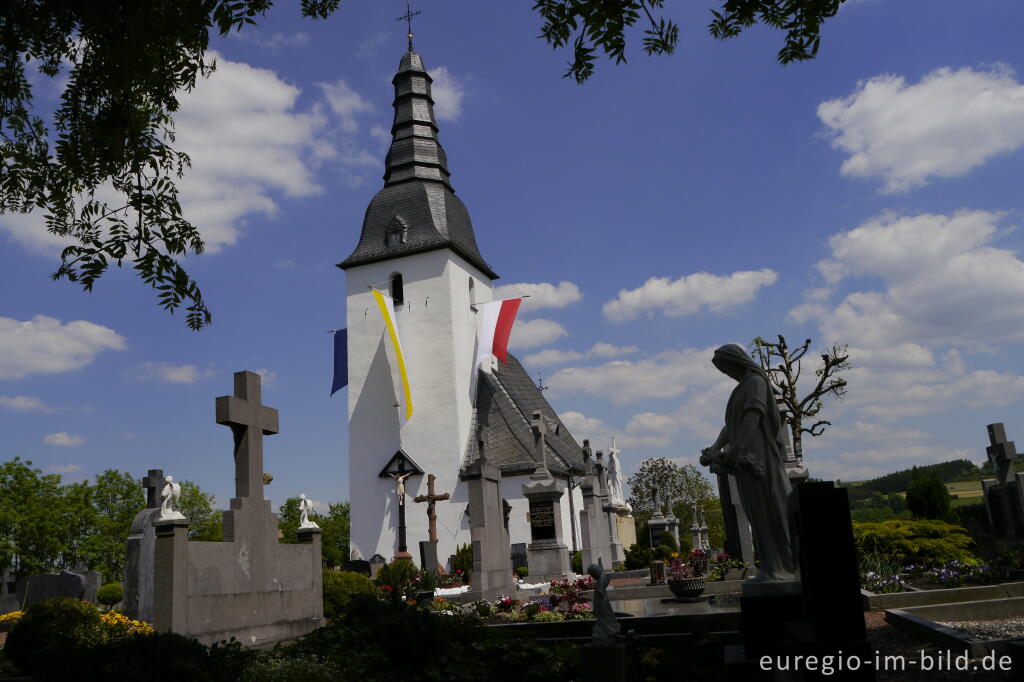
x=274, y=41
x=943, y=126
x=944, y=283
x=44, y=345
x=532, y=333
x=447, y=91
x=665, y=375
x=268, y=377
x=689, y=294
x=24, y=404
x=168, y=372
x=63, y=439
x=248, y=143
x=639, y=434
x=541, y=294
x=560, y=357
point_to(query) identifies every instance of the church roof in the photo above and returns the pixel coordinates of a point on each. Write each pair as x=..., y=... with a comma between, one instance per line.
x=417, y=209
x=505, y=401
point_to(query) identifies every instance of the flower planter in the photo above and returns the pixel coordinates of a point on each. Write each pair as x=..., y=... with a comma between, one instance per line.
x=686, y=588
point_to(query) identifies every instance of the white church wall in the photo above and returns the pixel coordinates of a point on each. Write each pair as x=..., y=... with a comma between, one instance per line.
x=438, y=335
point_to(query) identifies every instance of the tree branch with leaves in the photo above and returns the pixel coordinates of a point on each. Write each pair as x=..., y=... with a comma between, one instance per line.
x=785, y=375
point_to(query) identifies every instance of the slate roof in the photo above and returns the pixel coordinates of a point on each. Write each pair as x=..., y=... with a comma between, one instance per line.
x=505, y=401
x=417, y=209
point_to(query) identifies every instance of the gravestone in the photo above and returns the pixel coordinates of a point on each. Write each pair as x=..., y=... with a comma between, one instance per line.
x=93, y=580
x=658, y=524
x=358, y=566
x=249, y=587
x=492, y=565
x=1004, y=495
x=140, y=553
x=376, y=563
x=594, y=535
x=548, y=554
x=40, y=586
x=739, y=542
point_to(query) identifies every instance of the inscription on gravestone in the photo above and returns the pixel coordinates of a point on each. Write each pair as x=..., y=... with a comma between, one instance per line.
x=542, y=520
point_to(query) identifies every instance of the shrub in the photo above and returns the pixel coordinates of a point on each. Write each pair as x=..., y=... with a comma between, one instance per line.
x=637, y=557
x=10, y=619
x=304, y=669
x=49, y=629
x=463, y=561
x=339, y=586
x=548, y=617
x=156, y=658
x=577, y=562
x=927, y=497
x=110, y=594
x=522, y=572
x=397, y=578
x=919, y=542
x=119, y=625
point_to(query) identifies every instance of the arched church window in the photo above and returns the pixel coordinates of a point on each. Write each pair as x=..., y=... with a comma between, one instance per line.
x=397, y=292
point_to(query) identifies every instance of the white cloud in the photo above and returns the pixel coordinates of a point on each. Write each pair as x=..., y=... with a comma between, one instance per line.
x=688, y=294
x=268, y=377
x=43, y=345
x=345, y=103
x=62, y=469
x=560, y=357
x=665, y=375
x=447, y=91
x=541, y=294
x=944, y=284
x=63, y=439
x=531, y=333
x=24, y=403
x=273, y=41
x=943, y=126
x=168, y=372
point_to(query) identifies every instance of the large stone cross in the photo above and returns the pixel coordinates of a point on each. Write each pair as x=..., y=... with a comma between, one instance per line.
x=249, y=421
x=431, y=498
x=154, y=484
x=1001, y=453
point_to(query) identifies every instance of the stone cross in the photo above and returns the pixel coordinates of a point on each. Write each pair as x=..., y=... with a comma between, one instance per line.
x=154, y=484
x=249, y=420
x=539, y=428
x=1001, y=454
x=431, y=498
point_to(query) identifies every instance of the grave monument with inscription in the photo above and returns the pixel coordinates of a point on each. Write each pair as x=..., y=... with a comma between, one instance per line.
x=548, y=556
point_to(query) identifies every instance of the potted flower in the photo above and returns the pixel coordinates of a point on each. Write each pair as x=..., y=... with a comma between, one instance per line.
x=686, y=576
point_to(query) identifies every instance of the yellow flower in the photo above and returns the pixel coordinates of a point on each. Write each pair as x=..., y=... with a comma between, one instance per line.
x=11, y=618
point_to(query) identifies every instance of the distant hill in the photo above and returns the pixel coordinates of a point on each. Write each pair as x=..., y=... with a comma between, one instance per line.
x=898, y=482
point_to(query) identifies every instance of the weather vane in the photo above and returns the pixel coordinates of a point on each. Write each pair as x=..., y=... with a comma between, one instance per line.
x=540, y=382
x=409, y=14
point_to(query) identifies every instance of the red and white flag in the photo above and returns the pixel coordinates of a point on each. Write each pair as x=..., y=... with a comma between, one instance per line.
x=496, y=319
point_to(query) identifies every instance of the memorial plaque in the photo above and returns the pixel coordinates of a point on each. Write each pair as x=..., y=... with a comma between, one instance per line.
x=542, y=520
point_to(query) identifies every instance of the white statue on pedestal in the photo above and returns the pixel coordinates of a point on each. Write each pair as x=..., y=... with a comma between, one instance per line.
x=170, y=499
x=305, y=507
x=618, y=497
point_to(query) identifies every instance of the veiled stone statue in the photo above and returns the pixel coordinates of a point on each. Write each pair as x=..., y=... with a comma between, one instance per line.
x=606, y=627
x=305, y=507
x=751, y=447
x=170, y=498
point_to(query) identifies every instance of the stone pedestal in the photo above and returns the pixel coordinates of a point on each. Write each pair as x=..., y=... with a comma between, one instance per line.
x=626, y=527
x=492, y=563
x=547, y=555
x=170, y=578
x=593, y=526
x=656, y=527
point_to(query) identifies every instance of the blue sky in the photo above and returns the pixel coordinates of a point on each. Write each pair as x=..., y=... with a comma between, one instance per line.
x=868, y=197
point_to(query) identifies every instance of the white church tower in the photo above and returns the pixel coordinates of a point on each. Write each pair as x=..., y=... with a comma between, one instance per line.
x=417, y=245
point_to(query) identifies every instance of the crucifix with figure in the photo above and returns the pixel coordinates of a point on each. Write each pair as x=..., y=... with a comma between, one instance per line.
x=400, y=467
x=428, y=548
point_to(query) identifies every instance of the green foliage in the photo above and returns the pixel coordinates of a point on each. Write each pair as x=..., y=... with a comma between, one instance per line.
x=110, y=594
x=334, y=538
x=51, y=628
x=397, y=578
x=577, y=562
x=637, y=557
x=159, y=656
x=431, y=647
x=34, y=539
x=899, y=481
x=197, y=506
x=339, y=586
x=288, y=520
x=674, y=482
x=927, y=497
x=273, y=668
x=463, y=561
x=116, y=497
x=523, y=571
x=667, y=546
x=914, y=542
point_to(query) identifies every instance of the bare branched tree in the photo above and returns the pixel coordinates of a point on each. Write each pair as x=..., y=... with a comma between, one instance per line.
x=785, y=375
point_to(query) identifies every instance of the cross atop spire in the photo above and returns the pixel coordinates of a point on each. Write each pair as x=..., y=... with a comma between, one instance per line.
x=409, y=14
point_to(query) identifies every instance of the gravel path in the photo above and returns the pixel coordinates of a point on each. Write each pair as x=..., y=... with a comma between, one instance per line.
x=1004, y=628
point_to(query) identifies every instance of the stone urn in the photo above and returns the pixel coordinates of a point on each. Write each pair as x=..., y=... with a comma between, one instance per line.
x=686, y=588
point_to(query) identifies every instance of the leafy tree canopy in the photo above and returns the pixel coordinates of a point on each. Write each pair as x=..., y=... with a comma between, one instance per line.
x=674, y=482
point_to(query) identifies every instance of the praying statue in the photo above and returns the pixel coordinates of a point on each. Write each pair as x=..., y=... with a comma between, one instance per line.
x=305, y=507
x=751, y=448
x=169, y=500
x=606, y=627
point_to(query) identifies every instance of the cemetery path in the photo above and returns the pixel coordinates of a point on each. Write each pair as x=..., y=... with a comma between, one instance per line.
x=889, y=641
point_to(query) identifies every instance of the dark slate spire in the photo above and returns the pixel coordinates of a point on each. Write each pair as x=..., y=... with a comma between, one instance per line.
x=417, y=210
